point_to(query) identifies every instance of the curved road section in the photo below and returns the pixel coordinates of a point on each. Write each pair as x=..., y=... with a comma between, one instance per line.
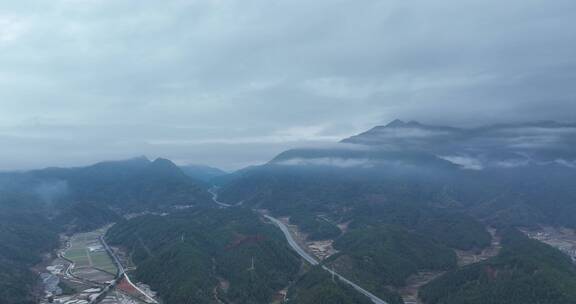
x=313, y=261
x=305, y=255
x=214, y=192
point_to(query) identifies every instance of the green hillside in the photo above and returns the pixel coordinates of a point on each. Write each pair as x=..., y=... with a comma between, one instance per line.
x=23, y=238
x=380, y=258
x=192, y=257
x=525, y=272
x=318, y=287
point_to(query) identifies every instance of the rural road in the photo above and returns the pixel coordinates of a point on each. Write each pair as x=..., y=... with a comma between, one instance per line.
x=214, y=192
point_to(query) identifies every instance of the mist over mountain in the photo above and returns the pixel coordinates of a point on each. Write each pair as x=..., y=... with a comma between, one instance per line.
x=247, y=152
x=493, y=146
x=509, y=173
x=444, y=183
x=38, y=206
x=202, y=173
x=394, y=201
x=133, y=184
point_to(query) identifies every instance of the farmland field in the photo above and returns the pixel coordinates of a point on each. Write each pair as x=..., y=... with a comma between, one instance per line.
x=86, y=251
x=102, y=261
x=78, y=255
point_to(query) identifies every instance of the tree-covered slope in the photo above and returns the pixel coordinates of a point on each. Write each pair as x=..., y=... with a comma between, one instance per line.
x=525, y=272
x=382, y=257
x=192, y=257
x=36, y=206
x=84, y=217
x=202, y=173
x=29, y=229
x=24, y=237
x=317, y=227
x=319, y=287
x=134, y=184
x=451, y=228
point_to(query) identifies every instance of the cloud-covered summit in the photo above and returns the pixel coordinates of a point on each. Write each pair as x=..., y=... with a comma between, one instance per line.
x=500, y=146
x=231, y=83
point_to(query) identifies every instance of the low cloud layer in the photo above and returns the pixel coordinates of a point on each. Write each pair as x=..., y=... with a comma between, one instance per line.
x=464, y=162
x=232, y=83
x=500, y=146
x=49, y=192
x=327, y=161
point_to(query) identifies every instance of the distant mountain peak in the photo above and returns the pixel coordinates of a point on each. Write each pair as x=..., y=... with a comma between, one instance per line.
x=400, y=132
x=413, y=123
x=135, y=161
x=141, y=158
x=397, y=123
x=164, y=168
x=164, y=162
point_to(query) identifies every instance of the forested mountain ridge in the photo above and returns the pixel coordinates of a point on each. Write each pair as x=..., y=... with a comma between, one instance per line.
x=134, y=184
x=36, y=206
x=499, y=145
x=24, y=237
x=318, y=287
x=526, y=271
x=230, y=255
x=193, y=257
x=202, y=173
x=382, y=258
x=443, y=184
x=503, y=174
x=392, y=204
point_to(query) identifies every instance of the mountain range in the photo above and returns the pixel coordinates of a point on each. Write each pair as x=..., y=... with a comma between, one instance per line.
x=505, y=174
x=494, y=146
x=395, y=201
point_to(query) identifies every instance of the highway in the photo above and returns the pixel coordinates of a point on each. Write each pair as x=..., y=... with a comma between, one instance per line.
x=305, y=255
x=119, y=265
x=122, y=271
x=313, y=261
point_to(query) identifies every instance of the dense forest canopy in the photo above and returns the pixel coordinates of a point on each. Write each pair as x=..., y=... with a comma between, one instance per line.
x=229, y=254
x=525, y=272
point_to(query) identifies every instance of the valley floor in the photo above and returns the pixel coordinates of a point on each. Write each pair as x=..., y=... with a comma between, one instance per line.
x=85, y=273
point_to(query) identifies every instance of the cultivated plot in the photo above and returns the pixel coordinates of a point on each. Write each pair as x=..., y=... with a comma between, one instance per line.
x=89, y=256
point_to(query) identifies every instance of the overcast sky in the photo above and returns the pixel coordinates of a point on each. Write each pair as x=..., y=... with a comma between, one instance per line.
x=233, y=82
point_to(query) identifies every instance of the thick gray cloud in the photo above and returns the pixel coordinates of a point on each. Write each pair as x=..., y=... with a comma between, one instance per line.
x=232, y=83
